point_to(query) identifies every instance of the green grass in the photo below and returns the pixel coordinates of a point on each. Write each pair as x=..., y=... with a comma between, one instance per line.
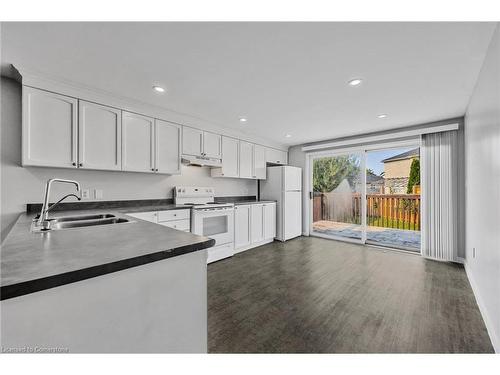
x=391, y=223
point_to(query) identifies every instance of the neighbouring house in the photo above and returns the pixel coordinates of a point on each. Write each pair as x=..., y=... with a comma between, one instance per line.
x=397, y=171
x=374, y=183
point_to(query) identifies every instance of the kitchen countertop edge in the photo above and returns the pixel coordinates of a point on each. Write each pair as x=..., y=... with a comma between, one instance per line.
x=37, y=285
x=243, y=203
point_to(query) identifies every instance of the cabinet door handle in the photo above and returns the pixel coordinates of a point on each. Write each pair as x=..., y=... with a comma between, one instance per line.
x=80, y=165
x=74, y=164
x=153, y=169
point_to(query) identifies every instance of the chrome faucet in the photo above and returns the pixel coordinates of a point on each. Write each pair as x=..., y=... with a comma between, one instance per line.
x=43, y=219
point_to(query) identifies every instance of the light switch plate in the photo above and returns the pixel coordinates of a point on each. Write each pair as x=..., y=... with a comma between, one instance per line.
x=85, y=194
x=98, y=194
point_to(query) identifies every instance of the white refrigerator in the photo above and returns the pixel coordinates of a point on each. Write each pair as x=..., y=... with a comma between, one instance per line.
x=284, y=185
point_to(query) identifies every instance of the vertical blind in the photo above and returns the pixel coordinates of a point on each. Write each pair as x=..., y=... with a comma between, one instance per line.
x=439, y=195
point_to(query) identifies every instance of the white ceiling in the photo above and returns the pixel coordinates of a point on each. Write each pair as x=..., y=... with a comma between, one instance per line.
x=285, y=77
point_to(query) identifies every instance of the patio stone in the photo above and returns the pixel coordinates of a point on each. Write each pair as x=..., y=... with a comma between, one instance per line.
x=400, y=238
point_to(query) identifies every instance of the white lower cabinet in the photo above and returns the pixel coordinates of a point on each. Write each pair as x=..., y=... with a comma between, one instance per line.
x=257, y=223
x=177, y=224
x=176, y=219
x=242, y=226
x=254, y=225
x=269, y=213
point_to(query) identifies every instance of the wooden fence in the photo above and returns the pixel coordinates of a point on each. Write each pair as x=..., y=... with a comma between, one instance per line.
x=400, y=211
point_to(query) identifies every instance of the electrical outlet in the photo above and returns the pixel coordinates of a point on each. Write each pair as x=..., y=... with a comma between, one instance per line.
x=97, y=194
x=85, y=194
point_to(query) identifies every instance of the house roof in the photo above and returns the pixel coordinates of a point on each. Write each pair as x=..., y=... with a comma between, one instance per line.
x=405, y=155
x=373, y=178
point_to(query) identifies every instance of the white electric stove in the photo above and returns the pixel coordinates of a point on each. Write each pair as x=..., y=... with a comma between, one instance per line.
x=209, y=219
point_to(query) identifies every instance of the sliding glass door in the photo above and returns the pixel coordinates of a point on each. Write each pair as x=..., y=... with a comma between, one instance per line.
x=367, y=196
x=337, y=190
x=393, y=198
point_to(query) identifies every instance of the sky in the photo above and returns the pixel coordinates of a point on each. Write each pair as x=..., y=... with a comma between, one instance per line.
x=374, y=158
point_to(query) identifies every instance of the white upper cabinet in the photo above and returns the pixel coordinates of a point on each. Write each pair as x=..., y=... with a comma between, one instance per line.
x=137, y=143
x=168, y=153
x=259, y=162
x=192, y=141
x=230, y=159
x=212, y=145
x=99, y=136
x=200, y=143
x=246, y=160
x=49, y=129
x=66, y=132
x=275, y=156
x=252, y=161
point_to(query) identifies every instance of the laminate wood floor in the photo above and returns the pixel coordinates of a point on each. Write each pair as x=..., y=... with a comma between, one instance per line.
x=313, y=295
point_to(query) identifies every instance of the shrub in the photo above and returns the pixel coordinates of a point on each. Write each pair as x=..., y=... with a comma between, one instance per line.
x=414, y=178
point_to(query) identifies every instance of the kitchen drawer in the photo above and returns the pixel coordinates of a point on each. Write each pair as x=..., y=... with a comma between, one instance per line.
x=173, y=215
x=177, y=224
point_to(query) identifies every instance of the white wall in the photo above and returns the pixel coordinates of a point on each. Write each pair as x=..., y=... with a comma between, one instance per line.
x=482, y=176
x=25, y=185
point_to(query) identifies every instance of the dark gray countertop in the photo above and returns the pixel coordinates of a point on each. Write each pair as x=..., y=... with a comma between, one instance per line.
x=35, y=261
x=252, y=202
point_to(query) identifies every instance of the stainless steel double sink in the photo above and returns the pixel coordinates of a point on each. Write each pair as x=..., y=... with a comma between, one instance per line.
x=68, y=222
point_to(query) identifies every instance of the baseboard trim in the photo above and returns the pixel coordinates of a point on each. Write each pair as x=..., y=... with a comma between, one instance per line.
x=253, y=245
x=460, y=260
x=495, y=340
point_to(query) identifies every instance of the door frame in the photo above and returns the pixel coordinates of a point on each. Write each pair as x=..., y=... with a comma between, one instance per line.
x=410, y=142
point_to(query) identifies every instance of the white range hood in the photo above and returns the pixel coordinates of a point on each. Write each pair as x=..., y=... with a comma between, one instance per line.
x=201, y=161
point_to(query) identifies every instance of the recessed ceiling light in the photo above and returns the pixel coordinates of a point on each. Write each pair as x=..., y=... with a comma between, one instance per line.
x=158, y=89
x=243, y=119
x=382, y=115
x=288, y=135
x=355, y=82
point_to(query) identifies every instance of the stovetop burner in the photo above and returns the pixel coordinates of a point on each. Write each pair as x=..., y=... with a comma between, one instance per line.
x=197, y=197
